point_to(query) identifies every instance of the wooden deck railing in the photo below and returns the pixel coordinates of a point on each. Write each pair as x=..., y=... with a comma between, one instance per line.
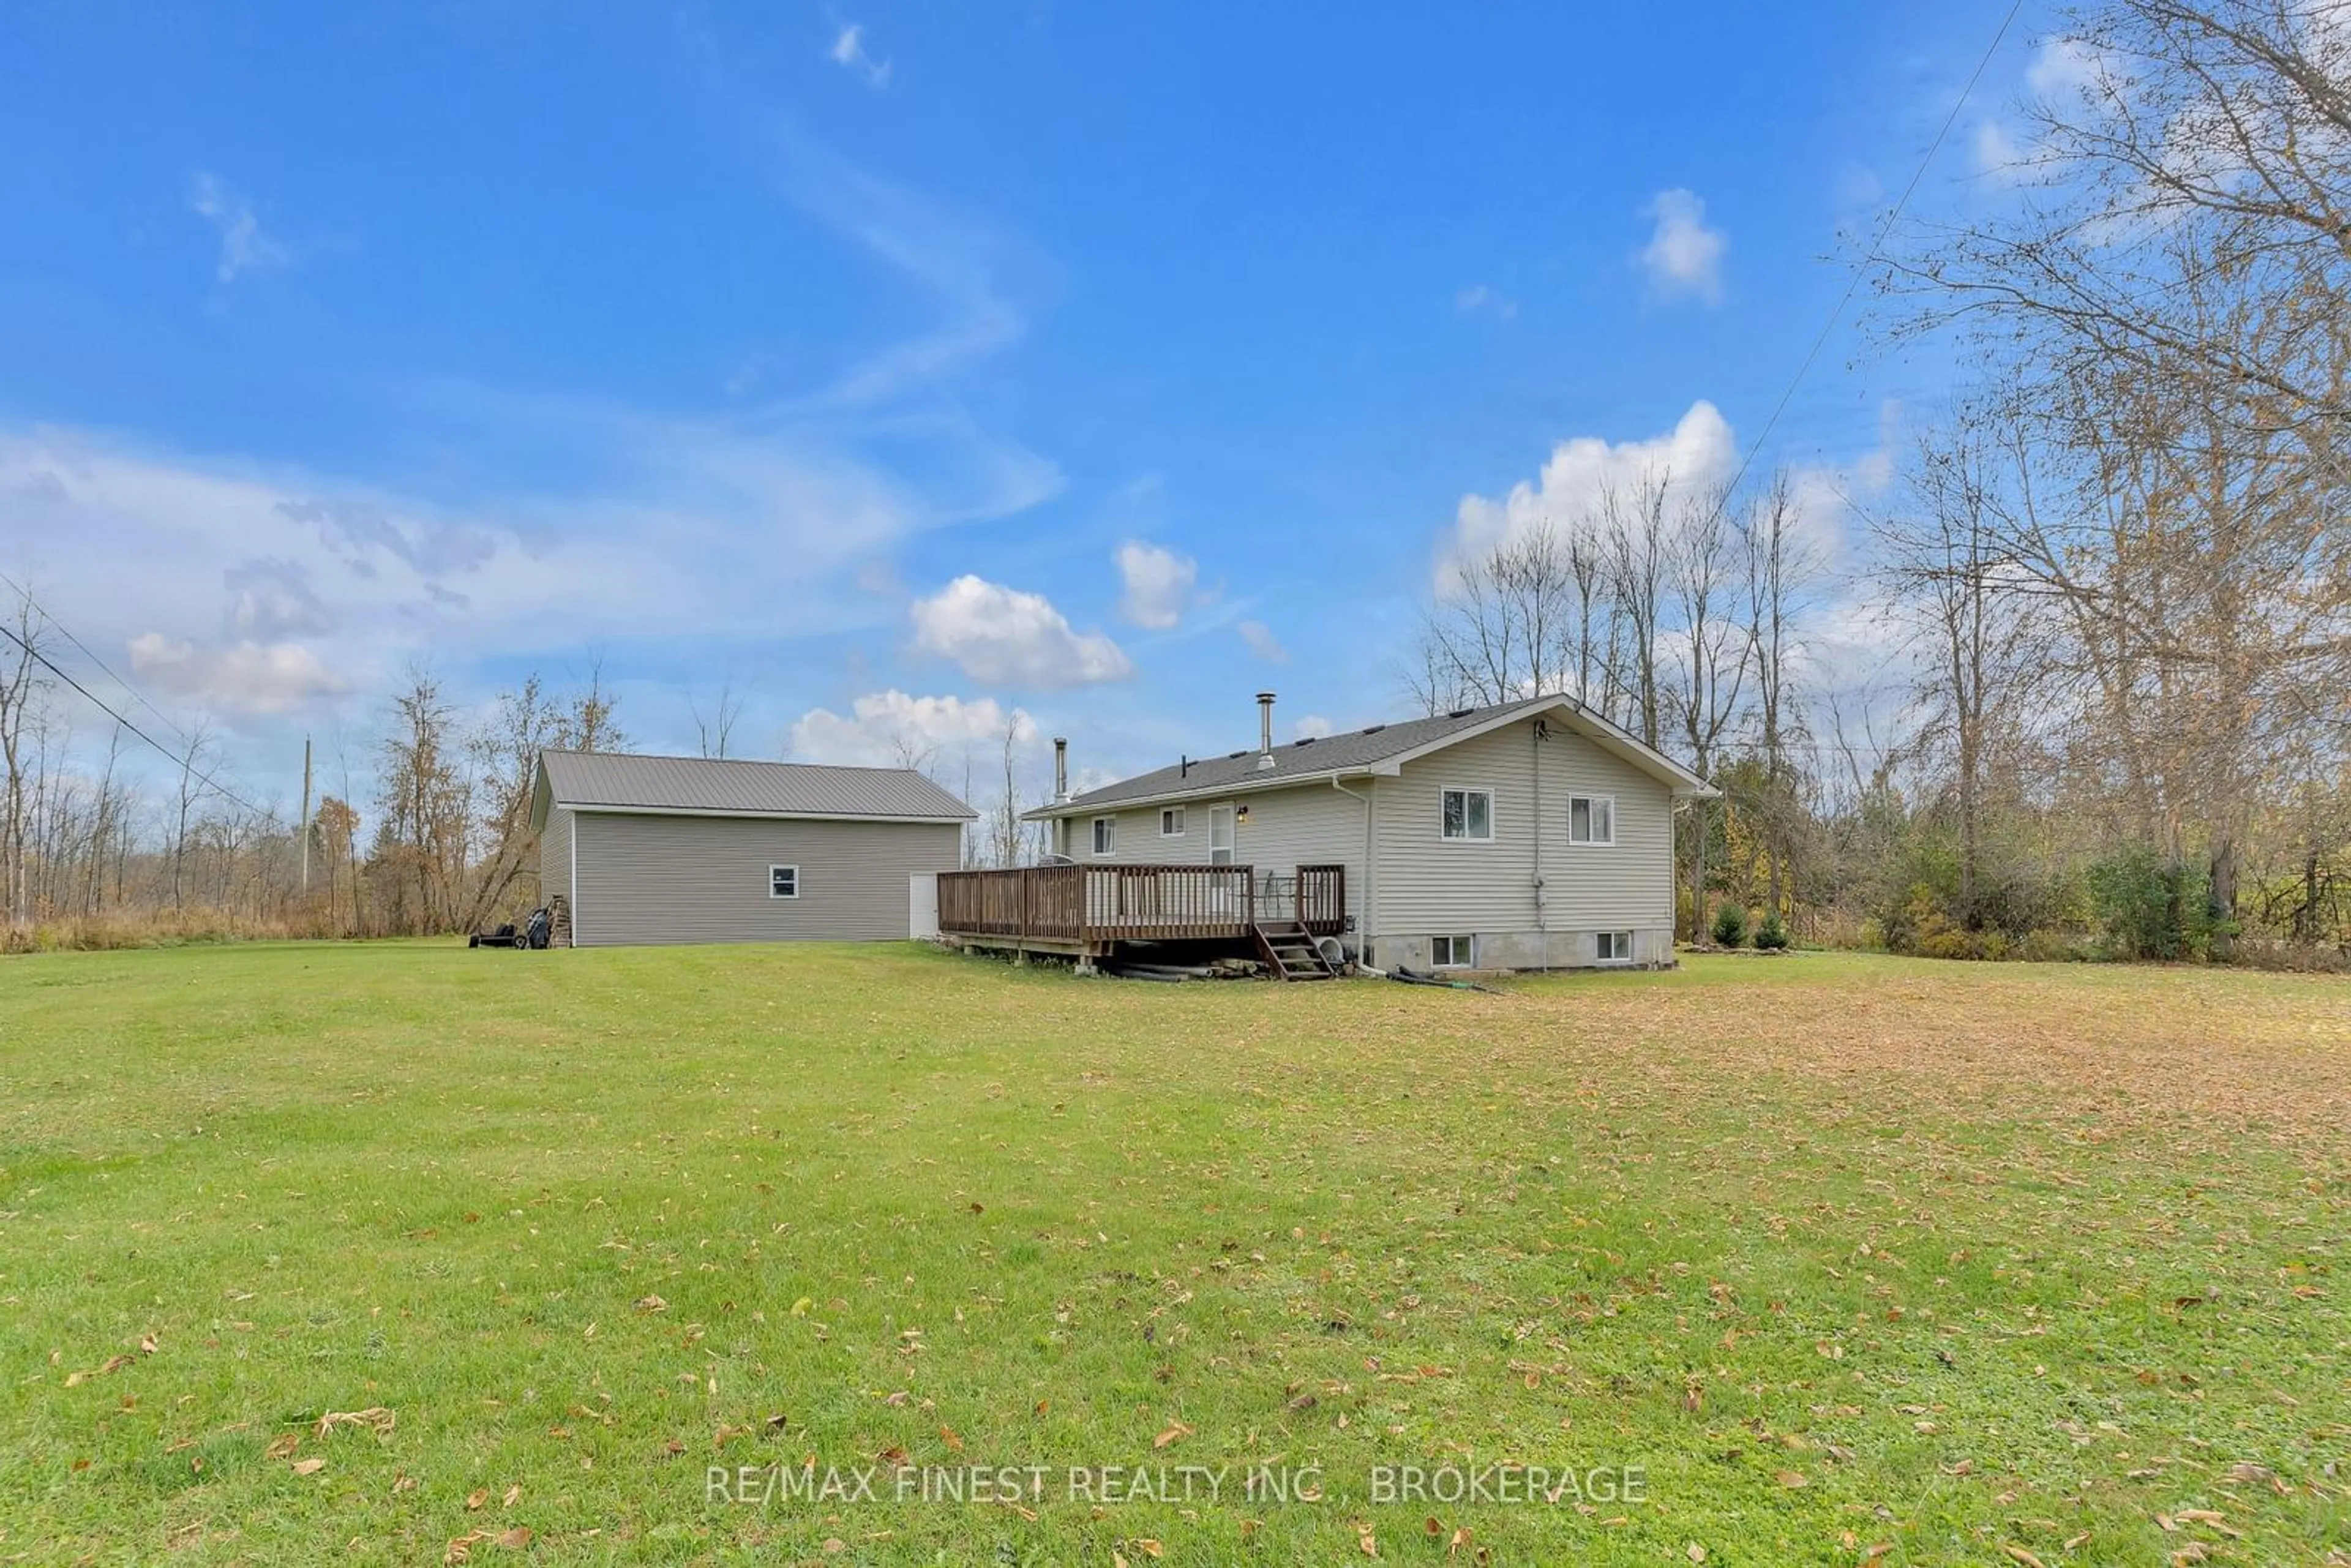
x=1093, y=906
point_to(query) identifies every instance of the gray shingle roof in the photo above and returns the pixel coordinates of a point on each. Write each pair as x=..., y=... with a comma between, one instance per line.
x=1303, y=759
x=776, y=788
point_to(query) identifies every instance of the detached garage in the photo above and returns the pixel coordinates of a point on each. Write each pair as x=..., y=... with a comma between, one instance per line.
x=684, y=848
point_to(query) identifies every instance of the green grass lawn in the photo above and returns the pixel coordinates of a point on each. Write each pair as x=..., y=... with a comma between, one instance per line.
x=1818, y=1257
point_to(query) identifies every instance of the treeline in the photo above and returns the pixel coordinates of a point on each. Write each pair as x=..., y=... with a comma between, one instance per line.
x=436, y=838
x=2116, y=575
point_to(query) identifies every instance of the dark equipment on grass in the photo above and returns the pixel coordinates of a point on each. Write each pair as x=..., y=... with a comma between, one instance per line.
x=532, y=933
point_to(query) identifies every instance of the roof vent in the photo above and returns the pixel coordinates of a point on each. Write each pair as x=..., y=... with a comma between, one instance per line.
x=1373, y=728
x=1461, y=712
x=1234, y=756
x=1304, y=740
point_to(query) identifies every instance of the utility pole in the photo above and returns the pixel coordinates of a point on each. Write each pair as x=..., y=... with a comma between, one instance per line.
x=306, y=815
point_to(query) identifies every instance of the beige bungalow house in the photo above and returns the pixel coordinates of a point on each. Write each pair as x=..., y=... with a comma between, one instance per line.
x=1531, y=835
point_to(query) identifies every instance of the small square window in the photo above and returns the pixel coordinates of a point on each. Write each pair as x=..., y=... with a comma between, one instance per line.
x=1171, y=821
x=1468, y=815
x=783, y=882
x=1453, y=952
x=1615, y=946
x=1105, y=835
x=1591, y=818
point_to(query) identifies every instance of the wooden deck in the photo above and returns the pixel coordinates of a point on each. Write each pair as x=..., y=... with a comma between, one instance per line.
x=1087, y=910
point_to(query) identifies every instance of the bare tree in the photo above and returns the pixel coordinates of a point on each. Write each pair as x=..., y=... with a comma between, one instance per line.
x=716, y=731
x=1712, y=651
x=23, y=692
x=1635, y=524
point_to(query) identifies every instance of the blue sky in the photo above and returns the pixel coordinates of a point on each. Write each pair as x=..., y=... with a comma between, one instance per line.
x=903, y=366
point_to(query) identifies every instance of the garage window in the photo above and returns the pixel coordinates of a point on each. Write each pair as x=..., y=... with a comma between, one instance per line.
x=783, y=882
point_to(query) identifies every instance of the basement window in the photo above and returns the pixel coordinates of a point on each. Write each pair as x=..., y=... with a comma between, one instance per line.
x=1615, y=946
x=1591, y=818
x=1171, y=821
x=1453, y=952
x=1106, y=836
x=783, y=882
x=1468, y=815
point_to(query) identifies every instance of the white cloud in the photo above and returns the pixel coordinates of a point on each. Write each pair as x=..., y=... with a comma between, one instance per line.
x=238, y=677
x=895, y=729
x=1997, y=153
x=1683, y=256
x=1263, y=642
x=1480, y=297
x=2066, y=66
x=849, y=50
x=1158, y=583
x=1580, y=475
x=1313, y=726
x=243, y=245
x=1002, y=635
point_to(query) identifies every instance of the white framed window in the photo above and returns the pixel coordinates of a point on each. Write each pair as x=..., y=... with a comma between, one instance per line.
x=1592, y=818
x=1453, y=952
x=783, y=882
x=1467, y=816
x=1614, y=946
x=1106, y=836
x=1171, y=821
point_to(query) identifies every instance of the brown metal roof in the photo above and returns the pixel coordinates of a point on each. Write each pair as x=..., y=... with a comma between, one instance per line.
x=620, y=781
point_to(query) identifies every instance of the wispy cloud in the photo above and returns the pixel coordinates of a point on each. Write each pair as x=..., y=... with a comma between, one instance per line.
x=1263, y=642
x=1684, y=257
x=1158, y=584
x=245, y=245
x=849, y=50
x=959, y=262
x=1485, y=297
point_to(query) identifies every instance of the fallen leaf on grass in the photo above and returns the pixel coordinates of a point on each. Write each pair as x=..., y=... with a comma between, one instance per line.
x=1694, y=1552
x=1174, y=1432
x=514, y=1495
x=954, y=1443
x=461, y=1548
x=114, y=1363
x=477, y=1497
x=283, y=1448
x=1363, y=1538
x=309, y=1467
x=375, y=1419
x=2019, y=1554
x=651, y=1304
x=1791, y=1479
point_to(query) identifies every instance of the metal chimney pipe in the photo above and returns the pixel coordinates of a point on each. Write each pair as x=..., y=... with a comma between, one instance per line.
x=1061, y=768
x=1265, y=729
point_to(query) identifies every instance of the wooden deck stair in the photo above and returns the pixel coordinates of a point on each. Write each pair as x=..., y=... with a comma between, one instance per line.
x=1291, y=951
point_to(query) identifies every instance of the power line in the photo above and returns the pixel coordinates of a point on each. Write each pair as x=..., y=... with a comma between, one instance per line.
x=67, y=633
x=1852, y=286
x=186, y=763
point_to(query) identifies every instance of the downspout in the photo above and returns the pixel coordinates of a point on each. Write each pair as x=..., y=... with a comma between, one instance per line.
x=1539, y=734
x=575, y=879
x=1364, y=947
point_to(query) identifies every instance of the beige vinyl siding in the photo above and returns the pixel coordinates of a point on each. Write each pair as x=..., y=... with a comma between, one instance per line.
x=555, y=855
x=662, y=879
x=1428, y=884
x=1310, y=825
